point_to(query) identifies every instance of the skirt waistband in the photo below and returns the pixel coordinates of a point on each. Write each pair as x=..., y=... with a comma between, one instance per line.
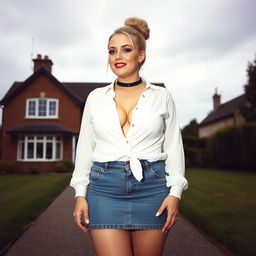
x=123, y=164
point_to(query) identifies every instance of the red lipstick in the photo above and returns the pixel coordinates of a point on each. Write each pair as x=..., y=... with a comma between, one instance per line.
x=120, y=64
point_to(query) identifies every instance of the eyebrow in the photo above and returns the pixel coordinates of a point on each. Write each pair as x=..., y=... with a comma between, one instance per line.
x=121, y=46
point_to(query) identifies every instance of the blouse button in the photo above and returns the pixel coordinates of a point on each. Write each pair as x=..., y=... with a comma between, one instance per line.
x=143, y=95
x=132, y=125
x=126, y=141
x=136, y=108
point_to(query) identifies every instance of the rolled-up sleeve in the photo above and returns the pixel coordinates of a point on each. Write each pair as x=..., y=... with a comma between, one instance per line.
x=173, y=146
x=84, y=150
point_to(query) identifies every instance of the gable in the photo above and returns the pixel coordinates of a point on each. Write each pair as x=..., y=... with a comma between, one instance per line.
x=18, y=87
x=224, y=110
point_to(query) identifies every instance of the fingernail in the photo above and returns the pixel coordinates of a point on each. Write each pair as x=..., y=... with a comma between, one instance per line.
x=157, y=214
x=87, y=221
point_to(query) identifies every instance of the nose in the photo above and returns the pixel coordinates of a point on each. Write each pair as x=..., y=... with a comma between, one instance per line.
x=119, y=55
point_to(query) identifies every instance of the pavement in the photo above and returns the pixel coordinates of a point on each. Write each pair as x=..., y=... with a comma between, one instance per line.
x=55, y=233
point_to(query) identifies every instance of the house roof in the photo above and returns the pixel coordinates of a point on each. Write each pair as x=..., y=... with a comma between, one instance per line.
x=78, y=92
x=40, y=128
x=17, y=87
x=82, y=90
x=224, y=110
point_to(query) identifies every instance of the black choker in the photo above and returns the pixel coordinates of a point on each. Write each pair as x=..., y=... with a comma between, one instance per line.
x=129, y=84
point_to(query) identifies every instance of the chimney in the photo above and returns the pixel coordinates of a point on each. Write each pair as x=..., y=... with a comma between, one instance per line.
x=40, y=62
x=216, y=100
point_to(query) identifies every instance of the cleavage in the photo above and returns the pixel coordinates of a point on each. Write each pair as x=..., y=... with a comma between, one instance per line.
x=125, y=117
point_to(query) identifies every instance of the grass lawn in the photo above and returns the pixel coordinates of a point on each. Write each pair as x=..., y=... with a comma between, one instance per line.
x=24, y=197
x=223, y=203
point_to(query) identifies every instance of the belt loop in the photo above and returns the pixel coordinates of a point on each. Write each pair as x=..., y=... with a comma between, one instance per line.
x=146, y=163
x=105, y=166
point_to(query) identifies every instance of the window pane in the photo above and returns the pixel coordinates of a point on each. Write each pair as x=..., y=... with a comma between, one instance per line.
x=39, y=150
x=52, y=108
x=40, y=137
x=42, y=107
x=49, y=137
x=49, y=150
x=58, y=147
x=32, y=108
x=30, y=137
x=22, y=150
x=30, y=150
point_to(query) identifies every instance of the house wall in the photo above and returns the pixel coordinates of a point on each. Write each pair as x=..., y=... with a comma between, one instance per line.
x=14, y=115
x=239, y=119
x=208, y=130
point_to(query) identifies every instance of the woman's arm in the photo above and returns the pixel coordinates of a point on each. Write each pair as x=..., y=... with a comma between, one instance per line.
x=175, y=165
x=84, y=150
x=173, y=146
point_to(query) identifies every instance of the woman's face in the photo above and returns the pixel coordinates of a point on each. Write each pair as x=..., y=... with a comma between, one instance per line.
x=124, y=57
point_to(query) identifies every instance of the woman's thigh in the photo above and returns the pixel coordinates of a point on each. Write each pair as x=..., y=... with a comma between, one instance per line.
x=114, y=242
x=148, y=242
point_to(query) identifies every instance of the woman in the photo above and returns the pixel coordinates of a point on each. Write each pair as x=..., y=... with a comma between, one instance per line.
x=129, y=168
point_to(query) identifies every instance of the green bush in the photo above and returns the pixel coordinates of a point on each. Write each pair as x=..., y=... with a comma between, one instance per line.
x=69, y=164
x=194, y=142
x=194, y=151
x=7, y=167
x=233, y=147
x=65, y=165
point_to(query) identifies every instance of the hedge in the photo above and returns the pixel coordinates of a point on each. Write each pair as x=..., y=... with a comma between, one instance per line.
x=233, y=147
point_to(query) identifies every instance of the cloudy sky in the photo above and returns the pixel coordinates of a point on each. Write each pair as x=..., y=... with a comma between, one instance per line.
x=194, y=46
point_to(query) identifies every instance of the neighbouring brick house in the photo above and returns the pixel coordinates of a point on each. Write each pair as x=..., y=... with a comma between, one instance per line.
x=222, y=115
x=41, y=118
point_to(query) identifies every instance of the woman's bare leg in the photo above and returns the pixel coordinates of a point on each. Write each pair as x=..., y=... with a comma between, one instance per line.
x=111, y=242
x=148, y=242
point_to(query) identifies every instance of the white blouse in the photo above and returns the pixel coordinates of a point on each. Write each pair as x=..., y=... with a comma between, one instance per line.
x=154, y=134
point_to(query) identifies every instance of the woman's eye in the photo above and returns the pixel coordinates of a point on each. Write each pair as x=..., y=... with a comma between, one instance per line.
x=111, y=52
x=127, y=50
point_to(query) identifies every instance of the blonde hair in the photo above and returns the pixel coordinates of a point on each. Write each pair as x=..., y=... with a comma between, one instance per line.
x=138, y=32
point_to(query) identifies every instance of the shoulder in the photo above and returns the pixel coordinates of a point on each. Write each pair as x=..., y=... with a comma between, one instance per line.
x=99, y=91
x=160, y=90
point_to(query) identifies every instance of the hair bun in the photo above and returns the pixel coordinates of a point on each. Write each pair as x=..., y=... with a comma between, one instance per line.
x=140, y=25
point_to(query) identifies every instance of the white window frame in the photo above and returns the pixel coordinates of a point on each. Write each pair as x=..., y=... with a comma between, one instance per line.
x=44, y=140
x=47, y=116
x=74, y=144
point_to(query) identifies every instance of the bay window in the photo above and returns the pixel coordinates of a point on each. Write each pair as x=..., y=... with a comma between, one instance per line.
x=39, y=148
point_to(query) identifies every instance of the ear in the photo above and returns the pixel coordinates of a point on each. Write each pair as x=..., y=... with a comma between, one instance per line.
x=142, y=55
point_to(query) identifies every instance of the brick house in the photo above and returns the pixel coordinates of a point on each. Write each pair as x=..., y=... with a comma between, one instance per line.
x=222, y=115
x=41, y=118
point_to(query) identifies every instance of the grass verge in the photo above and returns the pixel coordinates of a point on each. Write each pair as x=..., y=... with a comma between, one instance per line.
x=23, y=198
x=223, y=204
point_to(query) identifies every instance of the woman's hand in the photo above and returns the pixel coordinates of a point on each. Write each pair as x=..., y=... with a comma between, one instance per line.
x=81, y=208
x=172, y=205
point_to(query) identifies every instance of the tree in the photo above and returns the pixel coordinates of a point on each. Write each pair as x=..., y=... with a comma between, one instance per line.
x=191, y=129
x=249, y=110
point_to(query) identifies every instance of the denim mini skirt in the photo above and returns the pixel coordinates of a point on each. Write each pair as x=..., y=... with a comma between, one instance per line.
x=116, y=200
